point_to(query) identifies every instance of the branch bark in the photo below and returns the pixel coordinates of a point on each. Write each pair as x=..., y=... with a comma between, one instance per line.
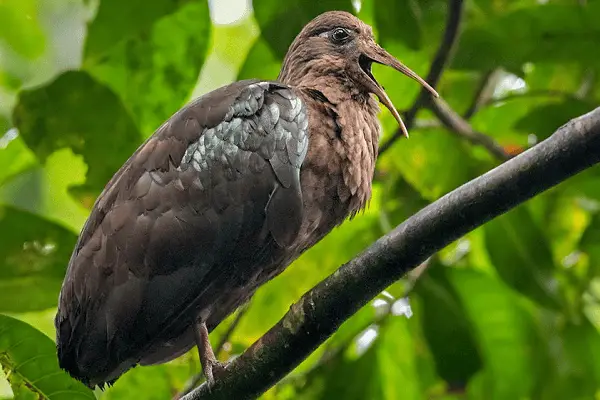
x=435, y=71
x=320, y=312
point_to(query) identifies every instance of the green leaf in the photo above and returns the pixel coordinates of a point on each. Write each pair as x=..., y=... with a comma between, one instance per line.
x=34, y=254
x=77, y=112
x=28, y=358
x=20, y=27
x=503, y=333
x=261, y=63
x=425, y=163
x=549, y=33
x=156, y=382
x=521, y=256
x=544, y=120
x=590, y=243
x=116, y=21
x=280, y=25
x=387, y=370
x=155, y=71
x=43, y=190
x=399, y=20
x=447, y=328
x=15, y=157
x=578, y=372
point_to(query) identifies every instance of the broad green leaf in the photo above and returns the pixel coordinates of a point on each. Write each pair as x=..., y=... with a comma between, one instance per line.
x=520, y=254
x=549, y=33
x=447, y=328
x=116, y=21
x=156, y=69
x=578, y=375
x=426, y=163
x=554, y=79
x=261, y=62
x=77, y=112
x=499, y=119
x=399, y=20
x=28, y=358
x=20, y=27
x=590, y=243
x=387, y=370
x=280, y=25
x=34, y=254
x=156, y=382
x=15, y=157
x=546, y=119
x=502, y=329
x=44, y=190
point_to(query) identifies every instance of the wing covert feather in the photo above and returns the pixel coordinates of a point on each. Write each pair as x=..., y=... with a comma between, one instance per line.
x=191, y=199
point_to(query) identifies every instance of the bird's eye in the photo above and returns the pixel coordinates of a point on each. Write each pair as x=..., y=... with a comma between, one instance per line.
x=339, y=35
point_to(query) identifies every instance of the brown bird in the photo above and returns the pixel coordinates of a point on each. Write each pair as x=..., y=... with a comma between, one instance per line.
x=220, y=199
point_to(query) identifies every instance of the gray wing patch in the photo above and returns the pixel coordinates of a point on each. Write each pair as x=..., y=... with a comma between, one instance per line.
x=268, y=120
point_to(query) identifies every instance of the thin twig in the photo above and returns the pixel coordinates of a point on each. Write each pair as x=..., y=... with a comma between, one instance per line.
x=321, y=311
x=482, y=93
x=199, y=377
x=456, y=124
x=435, y=71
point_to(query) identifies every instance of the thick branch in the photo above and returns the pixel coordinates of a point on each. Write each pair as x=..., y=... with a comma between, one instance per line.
x=456, y=124
x=320, y=312
x=435, y=71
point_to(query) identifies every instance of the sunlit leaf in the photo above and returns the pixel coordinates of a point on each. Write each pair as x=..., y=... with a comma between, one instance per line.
x=399, y=20
x=20, y=27
x=280, y=25
x=34, y=254
x=157, y=382
x=14, y=157
x=155, y=70
x=387, y=370
x=261, y=63
x=28, y=358
x=116, y=21
x=520, y=253
x=546, y=119
x=447, y=328
x=425, y=163
x=77, y=112
x=503, y=333
x=549, y=32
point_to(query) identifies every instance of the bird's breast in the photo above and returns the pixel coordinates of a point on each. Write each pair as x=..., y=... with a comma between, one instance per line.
x=336, y=176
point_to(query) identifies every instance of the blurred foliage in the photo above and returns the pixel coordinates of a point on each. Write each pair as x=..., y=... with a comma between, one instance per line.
x=511, y=311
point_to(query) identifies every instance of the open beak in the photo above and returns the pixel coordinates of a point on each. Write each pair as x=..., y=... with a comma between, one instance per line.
x=374, y=53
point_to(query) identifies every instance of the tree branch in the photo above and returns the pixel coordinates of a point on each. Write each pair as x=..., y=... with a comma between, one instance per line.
x=321, y=311
x=482, y=93
x=435, y=71
x=456, y=124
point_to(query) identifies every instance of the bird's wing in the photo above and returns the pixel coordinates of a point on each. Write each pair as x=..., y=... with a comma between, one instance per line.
x=217, y=173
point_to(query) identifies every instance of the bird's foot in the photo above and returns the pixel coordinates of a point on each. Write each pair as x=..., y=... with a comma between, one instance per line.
x=213, y=370
x=211, y=367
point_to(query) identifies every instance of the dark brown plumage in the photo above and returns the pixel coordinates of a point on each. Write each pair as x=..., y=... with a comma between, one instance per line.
x=220, y=199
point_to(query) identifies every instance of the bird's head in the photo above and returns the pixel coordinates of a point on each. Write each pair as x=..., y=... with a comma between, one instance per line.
x=338, y=44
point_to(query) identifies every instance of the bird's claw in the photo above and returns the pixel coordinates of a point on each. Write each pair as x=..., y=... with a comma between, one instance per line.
x=214, y=370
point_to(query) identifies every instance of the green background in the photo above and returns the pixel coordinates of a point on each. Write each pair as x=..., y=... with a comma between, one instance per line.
x=511, y=311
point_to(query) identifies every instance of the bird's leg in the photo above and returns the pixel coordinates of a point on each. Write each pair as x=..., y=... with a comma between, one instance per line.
x=210, y=365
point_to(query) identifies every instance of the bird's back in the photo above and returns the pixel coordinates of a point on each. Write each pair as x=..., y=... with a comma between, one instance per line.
x=200, y=213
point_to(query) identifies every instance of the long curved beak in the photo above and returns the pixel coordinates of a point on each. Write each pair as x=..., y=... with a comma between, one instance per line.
x=376, y=53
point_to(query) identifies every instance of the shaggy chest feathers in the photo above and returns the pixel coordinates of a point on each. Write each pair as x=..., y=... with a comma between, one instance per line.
x=338, y=170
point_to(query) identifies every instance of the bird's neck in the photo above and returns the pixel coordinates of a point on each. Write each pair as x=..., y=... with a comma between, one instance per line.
x=344, y=138
x=323, y=75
